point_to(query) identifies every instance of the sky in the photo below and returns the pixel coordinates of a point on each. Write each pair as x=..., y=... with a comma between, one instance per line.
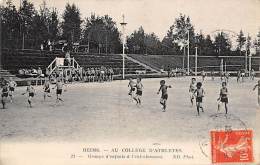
x=158, y=15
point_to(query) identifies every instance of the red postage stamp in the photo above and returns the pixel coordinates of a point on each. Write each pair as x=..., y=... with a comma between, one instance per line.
x=231, y=146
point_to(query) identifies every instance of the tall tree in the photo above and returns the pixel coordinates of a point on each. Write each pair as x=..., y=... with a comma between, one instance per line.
x=71, y=29
x=257, y=41
x=248, y=43
x=222, y=44
x=208, y=46
x=10, y=28
x=26, y=13
x=136, y=41
x=182, y=32
x=101, y=33
x=152, y=44
x=241, y=40
x=54, y=25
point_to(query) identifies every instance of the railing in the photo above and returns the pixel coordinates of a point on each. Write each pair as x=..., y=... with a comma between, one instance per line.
x=75, y=64
x=51, y=68
x=54, y=64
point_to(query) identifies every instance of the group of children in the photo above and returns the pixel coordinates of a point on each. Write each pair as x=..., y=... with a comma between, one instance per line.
x=196, y=92
x=8, y=88
x=99, y=74
x=138, y=86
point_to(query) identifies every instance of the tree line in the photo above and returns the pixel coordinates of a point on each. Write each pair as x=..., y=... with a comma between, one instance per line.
x=28, y=28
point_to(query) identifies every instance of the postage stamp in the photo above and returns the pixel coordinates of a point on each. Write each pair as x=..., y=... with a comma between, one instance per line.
x=232, y=146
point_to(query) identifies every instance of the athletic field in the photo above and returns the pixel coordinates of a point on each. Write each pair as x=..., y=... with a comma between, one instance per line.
x=103, y=112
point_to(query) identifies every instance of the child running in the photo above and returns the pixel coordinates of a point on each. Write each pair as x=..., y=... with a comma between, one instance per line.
x=5, y=92
x=31, y=92
x=12, y=84
x=164, y=96
x=139, y=91
x=192, y=89
x=59, y=87
x=46, y=88
x=258, y=86
x=223, y=96
x=131, y=84
x=199, y=94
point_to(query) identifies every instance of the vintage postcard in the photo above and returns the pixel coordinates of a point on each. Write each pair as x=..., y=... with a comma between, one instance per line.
x=129, y=82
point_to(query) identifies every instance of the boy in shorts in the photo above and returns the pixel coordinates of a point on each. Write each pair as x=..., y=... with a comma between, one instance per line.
x=5, y=92
x=199, y=94
x=31, y=92
x=12, y=84
x=192, y=89
x=223, y=96
x=131, y=84
x=139, y=91
x=164, y=96
x=46, y=88
x=59, y=87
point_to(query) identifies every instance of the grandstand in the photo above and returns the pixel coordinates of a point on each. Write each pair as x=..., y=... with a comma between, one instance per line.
x=207, y=63
x=13, y=60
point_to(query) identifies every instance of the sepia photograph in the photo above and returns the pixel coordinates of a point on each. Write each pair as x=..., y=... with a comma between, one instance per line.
x=129, y=82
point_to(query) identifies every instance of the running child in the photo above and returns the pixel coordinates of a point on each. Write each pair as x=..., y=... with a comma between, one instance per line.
x=199, y=94
x=131, y=84
x=5, y=92
x=258, y=86
x=59, y=88
x=223, y=96
x=164, y=96
x=139, y=91
x=46, y=88
x=192, y=89
x=31, y=92
x=12, y=84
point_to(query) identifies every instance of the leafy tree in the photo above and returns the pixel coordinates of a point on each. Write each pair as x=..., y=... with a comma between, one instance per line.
x=241, y=39
x=102, y=33
x=49, y=18
x=152, y=44
x=39, y=30
x=10, y=28
x=248, y=43
x=257, y=41
x=222, y=44
x=180, y=31
x=136, y=42
x=53, y=25
x=26, y=13
x=71, y=30
x=208, y=46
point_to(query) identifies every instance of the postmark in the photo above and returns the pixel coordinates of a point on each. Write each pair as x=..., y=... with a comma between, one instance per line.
x=231, y=146
x=218, y=122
